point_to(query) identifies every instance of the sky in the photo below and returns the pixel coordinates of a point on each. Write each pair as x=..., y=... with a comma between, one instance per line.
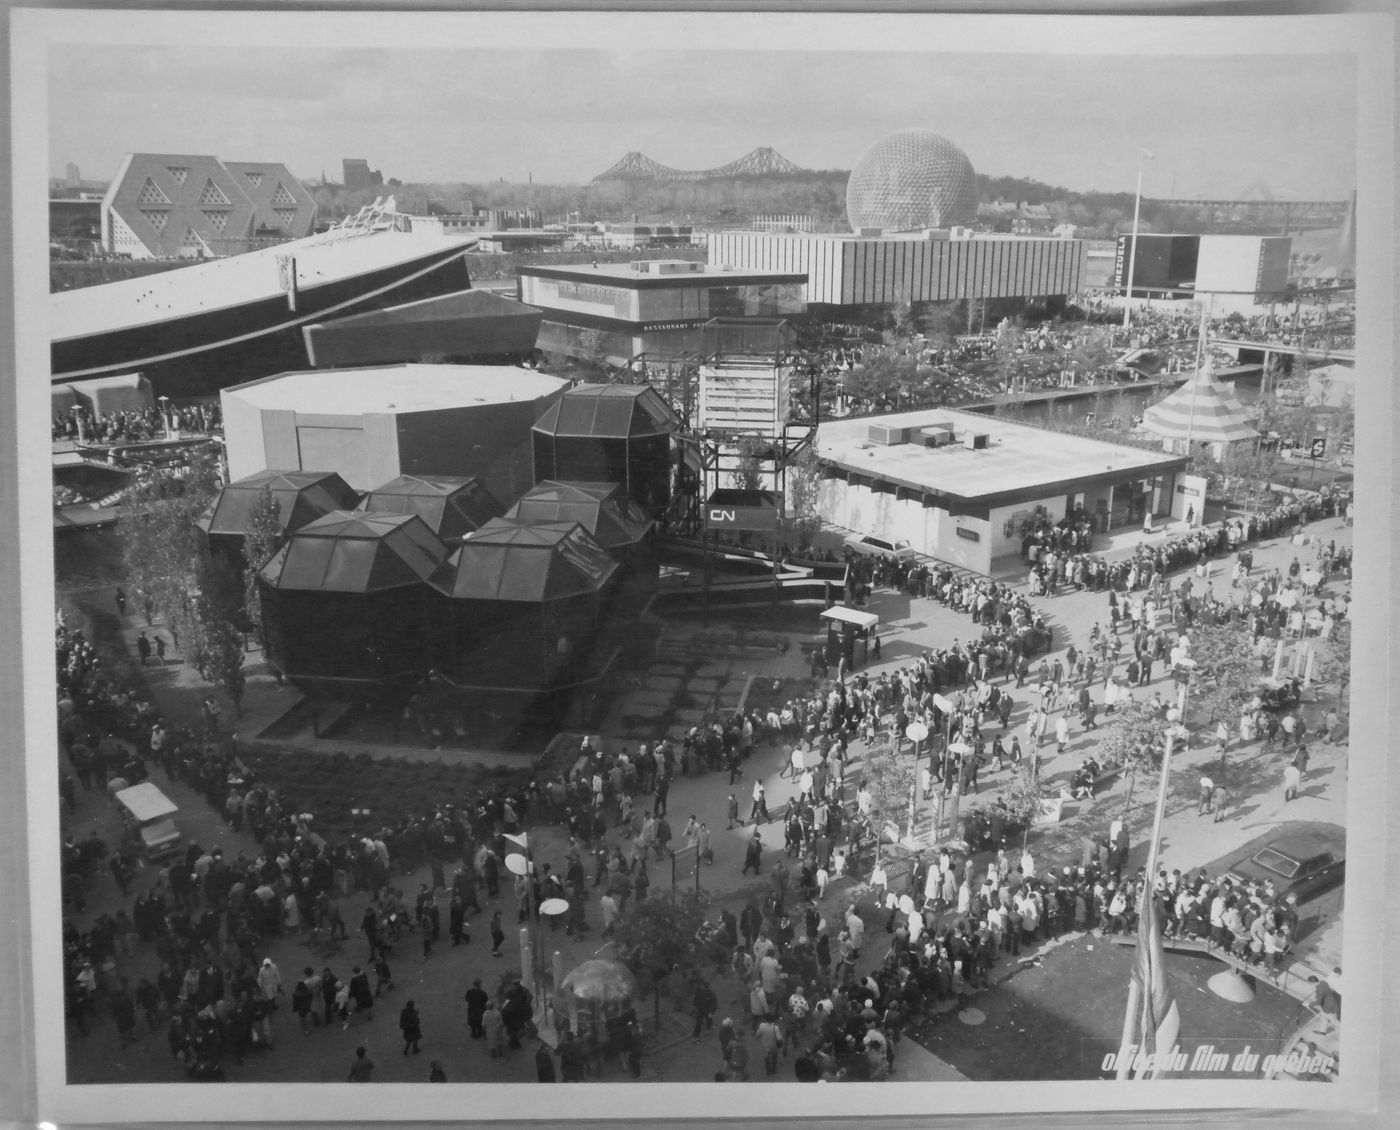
x=1217, y=126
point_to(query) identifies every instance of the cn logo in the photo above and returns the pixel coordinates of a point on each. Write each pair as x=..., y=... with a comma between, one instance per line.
x=723, y=516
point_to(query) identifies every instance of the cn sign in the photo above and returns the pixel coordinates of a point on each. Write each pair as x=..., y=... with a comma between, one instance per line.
x=1317, y=448
x=764, y=518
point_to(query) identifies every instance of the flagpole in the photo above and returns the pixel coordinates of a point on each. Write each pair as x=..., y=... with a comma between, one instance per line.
x=1200, y=360
x=1130, y=1016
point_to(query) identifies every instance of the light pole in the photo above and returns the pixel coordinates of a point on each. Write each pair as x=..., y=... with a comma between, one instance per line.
x=1143, y=154
x=531, y=941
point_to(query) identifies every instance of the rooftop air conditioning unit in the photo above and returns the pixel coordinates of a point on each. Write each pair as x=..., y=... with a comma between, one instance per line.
x=887, y=434
x=936, y=435
x=976, y=441
x=667, y=267
x=959, y=232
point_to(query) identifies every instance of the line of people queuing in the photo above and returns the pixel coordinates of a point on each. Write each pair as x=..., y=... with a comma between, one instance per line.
x=133, y=425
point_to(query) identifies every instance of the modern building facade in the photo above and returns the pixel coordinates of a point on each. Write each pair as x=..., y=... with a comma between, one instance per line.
x=172, y=205
x=965, y=488
x=656, y=307
x=371, y=425
x=845, y=271
x=1241, y=270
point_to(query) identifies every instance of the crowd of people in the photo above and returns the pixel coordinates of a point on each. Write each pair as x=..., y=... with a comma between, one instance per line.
x=133, y=425
x=209, y=919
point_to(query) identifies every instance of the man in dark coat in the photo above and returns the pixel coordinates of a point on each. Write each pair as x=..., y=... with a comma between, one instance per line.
x=476, y=998
x=411, y=1025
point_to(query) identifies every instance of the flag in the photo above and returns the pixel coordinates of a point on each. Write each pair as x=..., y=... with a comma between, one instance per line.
x=1159, y=1021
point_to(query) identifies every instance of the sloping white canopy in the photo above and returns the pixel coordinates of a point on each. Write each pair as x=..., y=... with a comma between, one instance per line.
x=1201, y=410
x=851, y=616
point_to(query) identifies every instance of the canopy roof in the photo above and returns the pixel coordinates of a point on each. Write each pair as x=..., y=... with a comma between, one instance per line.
x=511, y=559
x=302, y=497
x=603, y=509
x=469, y=323
x=1202, y=410
x=601, y=981
x=356, y=553
x=608, y=412
x=451, y=506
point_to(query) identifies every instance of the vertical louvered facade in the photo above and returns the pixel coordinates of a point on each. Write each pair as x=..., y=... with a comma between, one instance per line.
x=860, y=271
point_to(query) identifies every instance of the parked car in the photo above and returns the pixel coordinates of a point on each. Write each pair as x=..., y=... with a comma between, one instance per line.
x=1300, y=858
x=867, y=545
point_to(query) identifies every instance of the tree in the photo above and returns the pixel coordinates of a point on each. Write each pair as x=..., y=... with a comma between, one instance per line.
x=804, y=481
x=1023, y=799
x=593, y=355
x=1224, y=676
x=659, y=935
x=164, y=552
x=167, y=558
x=223, y=641
x=260, y=542
x=890, y=781
x=1135, y=740
x=749, y=471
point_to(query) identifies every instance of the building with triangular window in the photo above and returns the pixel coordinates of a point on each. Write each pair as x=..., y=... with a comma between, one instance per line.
x=166, y=206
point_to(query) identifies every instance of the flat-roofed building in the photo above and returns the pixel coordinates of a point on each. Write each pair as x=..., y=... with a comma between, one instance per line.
x=871, y=269
x=964, y=488
x=373, y=424
x=656, y=307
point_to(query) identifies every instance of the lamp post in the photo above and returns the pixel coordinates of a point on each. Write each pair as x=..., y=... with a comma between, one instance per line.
x=531, y=943
x=1143, y=154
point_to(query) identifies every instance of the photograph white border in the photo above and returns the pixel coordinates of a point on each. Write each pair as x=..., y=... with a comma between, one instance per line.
x=1371, y=37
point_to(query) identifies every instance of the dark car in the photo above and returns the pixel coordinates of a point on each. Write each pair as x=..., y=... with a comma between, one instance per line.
x=1302, y=859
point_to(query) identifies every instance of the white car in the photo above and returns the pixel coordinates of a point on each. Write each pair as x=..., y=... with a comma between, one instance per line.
x=867, y=545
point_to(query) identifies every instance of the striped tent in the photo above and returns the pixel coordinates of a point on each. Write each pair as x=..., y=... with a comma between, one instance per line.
x=1202, y=410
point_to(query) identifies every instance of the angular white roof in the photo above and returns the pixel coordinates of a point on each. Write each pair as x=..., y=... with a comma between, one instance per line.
x=395, y=389
x=216, y=284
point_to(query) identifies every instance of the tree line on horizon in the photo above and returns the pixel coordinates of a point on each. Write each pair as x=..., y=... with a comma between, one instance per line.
x=820, y=194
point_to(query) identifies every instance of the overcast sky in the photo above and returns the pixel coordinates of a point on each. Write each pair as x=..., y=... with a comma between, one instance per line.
x=1217, y=126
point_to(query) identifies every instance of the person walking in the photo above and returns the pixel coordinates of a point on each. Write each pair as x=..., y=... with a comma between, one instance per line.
x=1292, y=778
x=753, y=854
x=498, y=935
x=477, y=999
x=759, y=813
x=1220, y=801
x=733, y=811
x=1203, y=804
x=411, y=1025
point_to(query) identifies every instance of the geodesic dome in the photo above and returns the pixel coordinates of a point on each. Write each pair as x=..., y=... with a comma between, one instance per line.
x=911, y=179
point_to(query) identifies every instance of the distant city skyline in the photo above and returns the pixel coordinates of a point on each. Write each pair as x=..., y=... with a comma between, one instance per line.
x=1217, y=125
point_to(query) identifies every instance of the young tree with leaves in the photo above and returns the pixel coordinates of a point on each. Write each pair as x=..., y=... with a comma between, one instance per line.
x=890, y=780
x=261, y=540
x=803, y=493
x=659, y=936
x=1224, y=676
x=750, y=471
x=167, y=559
x=1134, y=740
x=1023, y=799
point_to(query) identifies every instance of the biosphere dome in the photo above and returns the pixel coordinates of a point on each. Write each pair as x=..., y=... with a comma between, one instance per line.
x=912, y=178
